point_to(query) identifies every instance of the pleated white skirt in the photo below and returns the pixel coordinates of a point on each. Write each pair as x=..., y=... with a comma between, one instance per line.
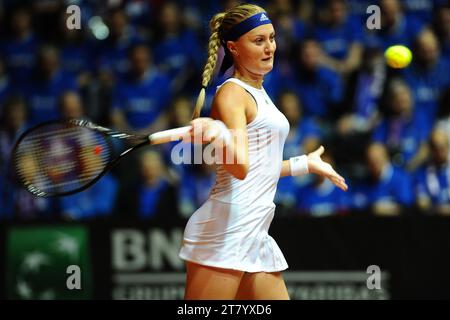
x=232, y=236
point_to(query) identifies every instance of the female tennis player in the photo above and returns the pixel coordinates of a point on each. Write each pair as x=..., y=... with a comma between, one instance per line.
x=228, y=252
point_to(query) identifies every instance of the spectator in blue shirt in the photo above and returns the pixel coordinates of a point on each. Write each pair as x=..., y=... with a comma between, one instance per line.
x=389, y=189
x=396, y=26
x=304, y=137
x=16, y=202
x=433, y=180
x=13, y=123
x=427, y=76
x=340, y=37
x=141, y=96
x=95, y=202
x=366, y=88
x=154, y=195
x=76, y=52
x=321, y=197
x=19, y=50
x=288, y=23
x=71, y=106
x=404, y=133
x=358, y=9
x=138, y=13
x=421, y=10
x=441, y=26
x=360, y=113
x=180, y=115
x=48, y=83
x=176, y=48
x=319, y=88
x=5, y=85
x=444, y=112
x=304, y=134
x=111, y=53
x=98, y=200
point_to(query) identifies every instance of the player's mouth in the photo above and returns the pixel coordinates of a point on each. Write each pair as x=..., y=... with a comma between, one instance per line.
x=267, y=59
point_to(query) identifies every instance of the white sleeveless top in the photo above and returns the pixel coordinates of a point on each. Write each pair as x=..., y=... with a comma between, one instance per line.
x=230, y=230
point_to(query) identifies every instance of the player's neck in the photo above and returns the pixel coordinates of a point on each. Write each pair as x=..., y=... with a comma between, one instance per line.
x=253, y=80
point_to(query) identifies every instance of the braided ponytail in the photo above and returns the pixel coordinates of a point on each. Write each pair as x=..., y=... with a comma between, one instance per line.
x=213, y=48
x=222, y=21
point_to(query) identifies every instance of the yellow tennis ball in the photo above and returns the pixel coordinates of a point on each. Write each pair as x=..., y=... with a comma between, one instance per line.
x=398, y=56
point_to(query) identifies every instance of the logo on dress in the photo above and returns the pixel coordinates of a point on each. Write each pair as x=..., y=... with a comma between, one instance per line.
x=263, y=17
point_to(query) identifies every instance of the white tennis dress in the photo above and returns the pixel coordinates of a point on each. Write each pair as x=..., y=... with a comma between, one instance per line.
x=230, y=230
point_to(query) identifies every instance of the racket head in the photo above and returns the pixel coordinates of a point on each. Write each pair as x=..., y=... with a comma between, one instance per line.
x=58, y=158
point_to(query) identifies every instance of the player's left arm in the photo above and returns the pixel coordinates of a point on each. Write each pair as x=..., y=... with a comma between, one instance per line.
x=318, y=166
x=285, y=169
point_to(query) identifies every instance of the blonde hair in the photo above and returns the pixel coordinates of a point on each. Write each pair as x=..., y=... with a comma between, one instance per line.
x=219, y=25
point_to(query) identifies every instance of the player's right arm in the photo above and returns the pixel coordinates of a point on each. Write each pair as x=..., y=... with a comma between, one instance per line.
x=229, y=106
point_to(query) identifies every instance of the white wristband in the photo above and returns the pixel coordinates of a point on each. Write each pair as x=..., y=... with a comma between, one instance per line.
x=299, y=165
x=224, y=137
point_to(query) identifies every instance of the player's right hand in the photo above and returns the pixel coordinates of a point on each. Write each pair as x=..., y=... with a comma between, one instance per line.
x=206, y=130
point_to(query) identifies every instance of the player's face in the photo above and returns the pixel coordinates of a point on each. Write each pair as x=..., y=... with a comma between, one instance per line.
x=255, y=50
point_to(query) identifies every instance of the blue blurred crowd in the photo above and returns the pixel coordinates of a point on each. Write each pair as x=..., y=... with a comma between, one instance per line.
x=136, y=66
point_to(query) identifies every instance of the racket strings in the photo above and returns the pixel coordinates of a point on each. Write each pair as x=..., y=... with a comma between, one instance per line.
x=60, y=158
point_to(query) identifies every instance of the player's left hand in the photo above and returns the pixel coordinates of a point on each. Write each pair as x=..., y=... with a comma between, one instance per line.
x=318, y=166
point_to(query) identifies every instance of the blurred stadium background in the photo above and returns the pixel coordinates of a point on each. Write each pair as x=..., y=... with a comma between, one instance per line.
x=136, y=65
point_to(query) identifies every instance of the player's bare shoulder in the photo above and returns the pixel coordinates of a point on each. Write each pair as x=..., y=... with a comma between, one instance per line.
x=230, y=98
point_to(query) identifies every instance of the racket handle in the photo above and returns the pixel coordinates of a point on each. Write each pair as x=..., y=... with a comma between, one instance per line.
x=169, y=135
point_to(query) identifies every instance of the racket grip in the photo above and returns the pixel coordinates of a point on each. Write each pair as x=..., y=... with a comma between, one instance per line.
x=169, y=135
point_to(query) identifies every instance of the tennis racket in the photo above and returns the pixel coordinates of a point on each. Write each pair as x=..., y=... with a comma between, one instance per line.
x=63, y=157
